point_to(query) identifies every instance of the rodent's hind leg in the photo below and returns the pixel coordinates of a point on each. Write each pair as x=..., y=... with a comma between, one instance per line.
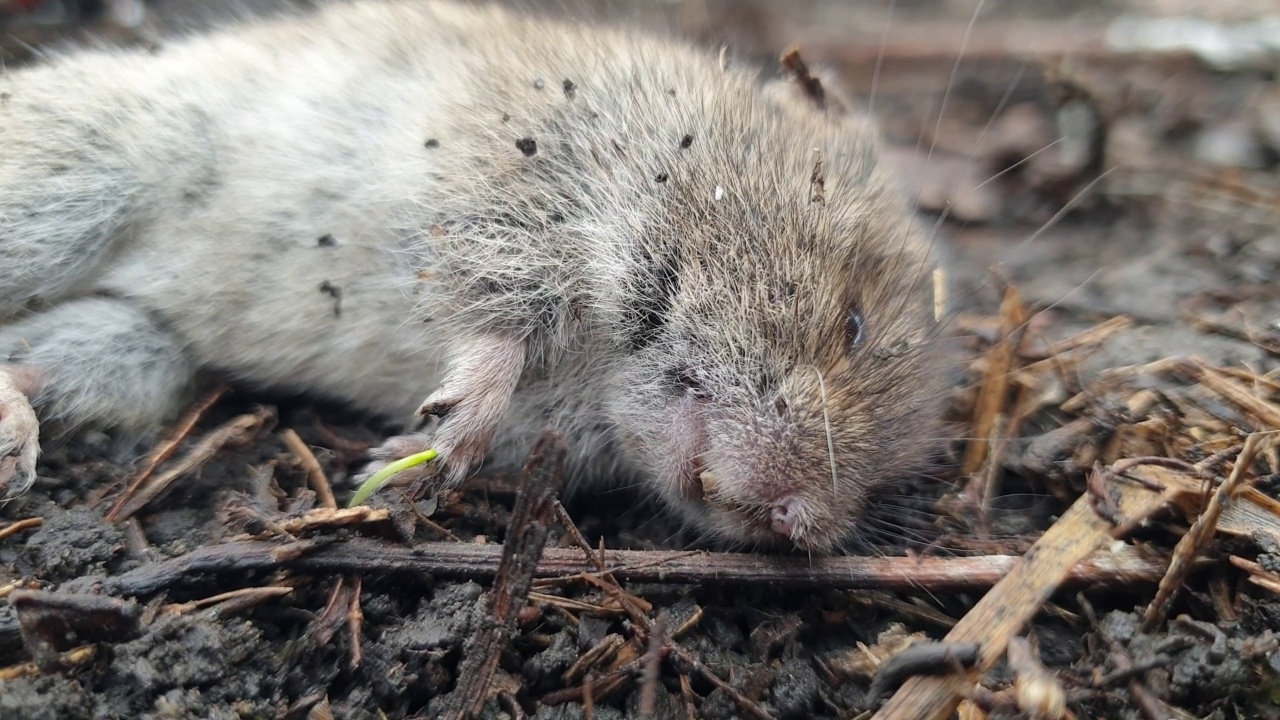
x=19, y=432
x=98, y=362
x=470, y=403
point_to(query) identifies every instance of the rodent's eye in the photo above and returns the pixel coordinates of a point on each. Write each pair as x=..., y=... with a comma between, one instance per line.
x=652, y=298
x=855, y=328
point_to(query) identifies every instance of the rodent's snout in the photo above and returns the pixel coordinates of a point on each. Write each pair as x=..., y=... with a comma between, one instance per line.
x=784, y=514
x=743, y=509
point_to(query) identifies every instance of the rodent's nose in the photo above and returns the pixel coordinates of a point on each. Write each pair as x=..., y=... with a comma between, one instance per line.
x=784, y=515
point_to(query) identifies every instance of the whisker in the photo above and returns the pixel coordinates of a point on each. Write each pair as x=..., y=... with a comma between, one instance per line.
x=826, y=421
x=1004, y=99
x=955, y=71
x=1066, y=207
x=884, y=41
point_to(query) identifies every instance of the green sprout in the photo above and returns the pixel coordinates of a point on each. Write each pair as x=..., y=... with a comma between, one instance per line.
x=380, y=478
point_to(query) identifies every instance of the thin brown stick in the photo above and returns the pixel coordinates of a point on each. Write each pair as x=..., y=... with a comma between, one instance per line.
x=576, y=535
x=617, y=570
x=424, y=521
x=573, y=604
x=135, y=538
x=527, y=535
x=332, y=517
x=315, y=473
x=1258, y=575
x=166, y=449
x=993, y=396
x=1003, y=611
x=327, y=622
x=355, y=621
x=1192, y=543
x=252, y=595
x=237, y=431
x=652, y=662
x=1091, y=337
x=1238, y=394
x=593, y=686
x=463, y=560
x=228, y=558
x=748, y=707
x=18, y=526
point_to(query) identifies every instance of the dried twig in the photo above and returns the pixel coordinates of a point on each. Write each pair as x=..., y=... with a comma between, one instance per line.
x=1091, y=337
x=1236, y=393
x=1192, y=543
x=596, y=686
x=315, y=473
x=330, y=517
x=1014, y=600
x=235, y=432
x=750, y=708
x=993, y=396
x=576, y=535
x=166, y=449
x=652, y=660
x=799, y=71
x=18, y=526
x=233, y=557
x=463, y=560
x=327, y=622
x=355, y=621
x=597, y=655
x=573, y=604
x=230, y=602
x=1258, y=575
x=526, y=537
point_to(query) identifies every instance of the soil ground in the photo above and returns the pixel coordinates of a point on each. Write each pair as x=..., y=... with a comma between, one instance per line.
x=1099, y=184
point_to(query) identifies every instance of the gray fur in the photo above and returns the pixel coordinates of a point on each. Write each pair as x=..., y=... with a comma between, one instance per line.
x=635, y=256
x=101, y=361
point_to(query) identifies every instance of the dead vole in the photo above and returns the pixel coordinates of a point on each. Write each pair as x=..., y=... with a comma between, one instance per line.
x=706, y=284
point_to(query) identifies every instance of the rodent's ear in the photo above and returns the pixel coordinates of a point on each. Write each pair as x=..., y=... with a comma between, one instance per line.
x=806, y=90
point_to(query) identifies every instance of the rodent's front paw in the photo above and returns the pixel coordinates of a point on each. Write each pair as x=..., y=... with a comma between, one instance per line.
x=470, y=403
x=19, y=439
x=472, y=400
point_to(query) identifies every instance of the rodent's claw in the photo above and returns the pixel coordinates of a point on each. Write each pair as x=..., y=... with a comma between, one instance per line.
x=471, y=402
x=19, y=439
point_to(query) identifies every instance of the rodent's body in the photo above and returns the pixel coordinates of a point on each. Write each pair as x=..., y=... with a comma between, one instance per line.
x=536, y=224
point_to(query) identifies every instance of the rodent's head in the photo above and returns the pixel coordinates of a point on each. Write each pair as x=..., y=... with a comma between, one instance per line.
x=778, y=366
